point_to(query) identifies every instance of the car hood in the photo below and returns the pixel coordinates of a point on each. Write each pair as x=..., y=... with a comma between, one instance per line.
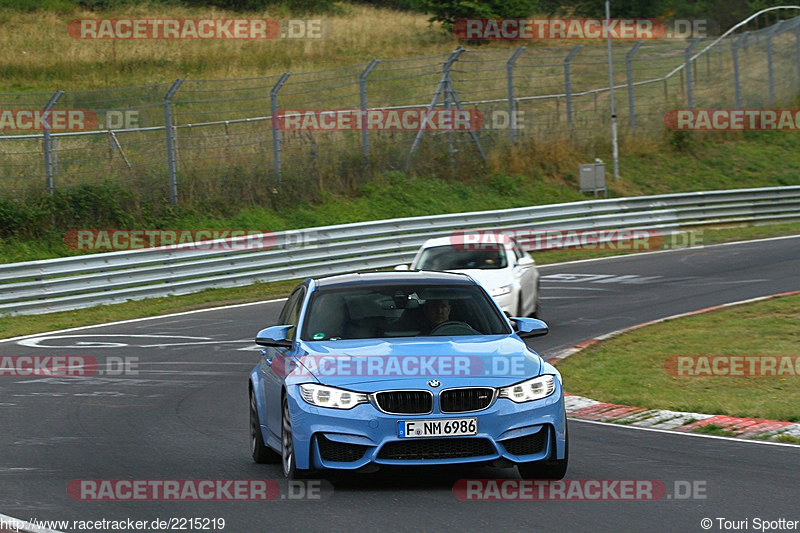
x=375, y=363
x=489, y=278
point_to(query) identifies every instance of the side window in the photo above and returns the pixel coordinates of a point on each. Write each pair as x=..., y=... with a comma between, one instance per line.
x=293, y=315
x=290, y=301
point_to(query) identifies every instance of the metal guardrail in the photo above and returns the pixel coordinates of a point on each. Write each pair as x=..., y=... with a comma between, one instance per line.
x=105, y=278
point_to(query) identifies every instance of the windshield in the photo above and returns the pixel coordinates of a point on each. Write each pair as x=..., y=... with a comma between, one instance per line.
x=451, y=258
x=379, y=311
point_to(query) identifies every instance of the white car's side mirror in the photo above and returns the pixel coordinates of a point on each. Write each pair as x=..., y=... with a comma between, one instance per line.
x=525, y=261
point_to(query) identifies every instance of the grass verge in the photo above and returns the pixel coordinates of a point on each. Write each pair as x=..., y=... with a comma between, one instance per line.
x=630, y=369
x=27, y=324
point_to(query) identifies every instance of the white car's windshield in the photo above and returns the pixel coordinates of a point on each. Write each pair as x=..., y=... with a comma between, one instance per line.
x=451, y=258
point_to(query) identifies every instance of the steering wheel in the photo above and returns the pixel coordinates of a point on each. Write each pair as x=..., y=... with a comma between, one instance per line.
x=453, y=327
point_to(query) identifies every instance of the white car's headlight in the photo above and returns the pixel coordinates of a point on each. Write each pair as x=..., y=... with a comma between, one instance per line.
x=323, y=396
x=500, y=291
x=532, y=389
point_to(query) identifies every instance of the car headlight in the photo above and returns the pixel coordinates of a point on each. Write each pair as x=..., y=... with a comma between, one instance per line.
x=500, y=291
x=532, y=389
x=323, y=396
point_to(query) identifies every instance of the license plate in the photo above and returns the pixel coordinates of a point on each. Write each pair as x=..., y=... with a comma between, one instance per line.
x=454, y=427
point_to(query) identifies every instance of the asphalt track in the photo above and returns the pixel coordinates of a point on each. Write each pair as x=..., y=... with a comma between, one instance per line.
x=185, y=417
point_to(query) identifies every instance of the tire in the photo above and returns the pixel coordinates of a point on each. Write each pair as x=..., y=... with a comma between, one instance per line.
x=537, y=309
x=288, y=462
x=258, y=448
x=546, y=469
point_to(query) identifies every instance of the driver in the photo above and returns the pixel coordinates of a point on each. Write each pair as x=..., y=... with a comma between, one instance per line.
x=436, y=312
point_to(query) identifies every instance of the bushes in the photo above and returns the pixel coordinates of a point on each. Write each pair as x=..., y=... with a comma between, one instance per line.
x=83, y=206
x=449, y=11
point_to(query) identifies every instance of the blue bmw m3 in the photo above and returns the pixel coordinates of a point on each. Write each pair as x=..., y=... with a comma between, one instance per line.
x=404, y=368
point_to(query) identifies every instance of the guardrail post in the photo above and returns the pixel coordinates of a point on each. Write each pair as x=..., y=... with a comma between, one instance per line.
x=362, y=90
x=688, y=69
x=169, y=129
x=770, y=68
x=629, y=74
x=47, y=145
x=276, y=132
x=512, y=112
x=736, y=81
x=568, y=83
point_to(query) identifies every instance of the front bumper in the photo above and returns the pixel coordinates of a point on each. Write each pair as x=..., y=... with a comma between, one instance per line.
x=354, y=438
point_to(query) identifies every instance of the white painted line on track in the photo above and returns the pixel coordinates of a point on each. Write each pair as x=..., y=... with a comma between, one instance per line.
x=27, y=527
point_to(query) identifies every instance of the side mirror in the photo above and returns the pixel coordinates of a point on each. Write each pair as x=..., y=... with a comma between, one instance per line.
x=274, y=336
x=403, y=267
x=529, y=327
x=525, y=261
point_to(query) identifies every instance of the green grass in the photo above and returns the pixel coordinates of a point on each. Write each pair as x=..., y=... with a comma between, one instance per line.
x=629, y=369
x=714, y=429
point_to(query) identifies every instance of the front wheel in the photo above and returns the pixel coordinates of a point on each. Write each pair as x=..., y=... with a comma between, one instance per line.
x=260, y=451
x=290, y=470
x=556, y=469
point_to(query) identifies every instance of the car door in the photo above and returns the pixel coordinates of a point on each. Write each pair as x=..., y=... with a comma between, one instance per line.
x=276, y=361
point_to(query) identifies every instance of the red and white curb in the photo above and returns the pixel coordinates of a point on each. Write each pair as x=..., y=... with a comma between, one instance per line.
x=588, y=409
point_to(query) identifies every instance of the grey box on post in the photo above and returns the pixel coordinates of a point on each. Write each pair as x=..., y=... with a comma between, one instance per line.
x=593, y=177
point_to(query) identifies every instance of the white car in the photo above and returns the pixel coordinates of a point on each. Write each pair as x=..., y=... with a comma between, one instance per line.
x=507, y=273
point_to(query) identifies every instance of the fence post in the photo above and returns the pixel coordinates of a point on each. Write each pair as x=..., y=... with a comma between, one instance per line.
x=169, y=129
x=688, y=69
x=736, y=81
x=770, y=68
x=47, y=142
x=568, y=83
x=362, y=89
x=444, y=84
x=276, y=133
x=797, y=46
x=629, y=74
x=512, y=112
